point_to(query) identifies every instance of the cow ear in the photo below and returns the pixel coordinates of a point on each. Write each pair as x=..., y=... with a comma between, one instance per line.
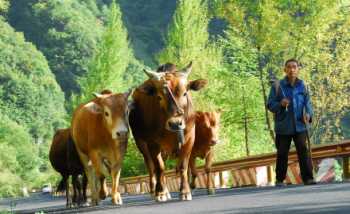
x=149, y=90
x=94, y=108
x=197, y=85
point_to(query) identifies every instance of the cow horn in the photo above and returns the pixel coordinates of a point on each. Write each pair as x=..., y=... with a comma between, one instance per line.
x=127, y=94
x=97, y=95
x=153, y=74
x=187, y=70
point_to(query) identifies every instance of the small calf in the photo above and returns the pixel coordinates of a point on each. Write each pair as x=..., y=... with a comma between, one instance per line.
x=207, y=128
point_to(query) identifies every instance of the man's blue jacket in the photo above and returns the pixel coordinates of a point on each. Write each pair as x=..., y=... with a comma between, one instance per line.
x=289, y=122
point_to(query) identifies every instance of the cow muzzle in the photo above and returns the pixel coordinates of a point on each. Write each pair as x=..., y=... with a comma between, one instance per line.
x=122, y=135
x=175, y=125
x=214, y=142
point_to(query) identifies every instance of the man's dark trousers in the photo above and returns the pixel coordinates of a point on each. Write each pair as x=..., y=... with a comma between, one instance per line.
x=282, y=145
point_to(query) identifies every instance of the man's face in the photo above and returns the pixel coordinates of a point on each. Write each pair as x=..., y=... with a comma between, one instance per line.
x=292, y=70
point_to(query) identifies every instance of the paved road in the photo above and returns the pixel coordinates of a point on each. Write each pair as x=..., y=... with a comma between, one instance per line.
x=321, y=198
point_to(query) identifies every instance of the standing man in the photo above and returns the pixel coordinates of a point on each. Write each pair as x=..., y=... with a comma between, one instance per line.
x=289, y=100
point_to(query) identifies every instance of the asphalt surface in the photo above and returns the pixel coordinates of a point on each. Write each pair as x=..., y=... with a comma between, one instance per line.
x=320, y=198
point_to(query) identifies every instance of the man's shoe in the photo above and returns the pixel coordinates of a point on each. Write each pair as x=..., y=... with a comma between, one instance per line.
x=310, y=182
x=280, y=184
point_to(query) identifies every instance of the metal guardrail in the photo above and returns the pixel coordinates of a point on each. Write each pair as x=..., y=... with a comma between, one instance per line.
x=318, y=152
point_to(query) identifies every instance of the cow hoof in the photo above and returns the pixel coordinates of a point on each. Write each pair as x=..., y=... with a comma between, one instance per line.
x=117, y=199
x=168, y=195
x=193, y=186
x=161, y=198
x=85, y=204
x=94, y=203
x=153, y=195
x=211, y=191
x=102, y=196
x=186, y=196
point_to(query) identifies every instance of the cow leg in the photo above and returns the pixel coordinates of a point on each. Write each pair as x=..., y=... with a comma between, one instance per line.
x=68, y=198
x=161, y=195
x=100, y=172
x=85, y=182
x=166, y=190
x=116, y=197
x=79, y=191
x=104, y=189
x=185, y=191
x=75, y=190
x=142, y=145
x=210, y=182
x=194, y=172
x=91, y=177
x=183, y=161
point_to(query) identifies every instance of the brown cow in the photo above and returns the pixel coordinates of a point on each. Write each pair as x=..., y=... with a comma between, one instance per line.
x=162, y=122
x=65, y=160
x=207, y=127
x=100, y=131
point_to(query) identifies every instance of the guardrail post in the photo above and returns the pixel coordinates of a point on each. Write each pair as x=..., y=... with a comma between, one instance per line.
x=346, y=173
x=142, y=187
x=270, y=175
x=222, y=181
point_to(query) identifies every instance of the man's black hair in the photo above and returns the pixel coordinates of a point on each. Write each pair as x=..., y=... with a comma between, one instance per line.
x=292, y=60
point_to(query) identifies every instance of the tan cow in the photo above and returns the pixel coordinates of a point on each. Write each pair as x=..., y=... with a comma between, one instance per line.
x=100, y=131
x=207, y=128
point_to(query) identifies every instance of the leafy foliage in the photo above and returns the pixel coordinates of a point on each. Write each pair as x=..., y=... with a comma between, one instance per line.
x=19, y=158
x=306, y=31
x=66, y=32
x=28, y=91
x=111, y=59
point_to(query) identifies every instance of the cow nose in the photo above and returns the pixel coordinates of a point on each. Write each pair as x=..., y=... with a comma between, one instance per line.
x=213, y=142
x=122, y=134
x=175, y=125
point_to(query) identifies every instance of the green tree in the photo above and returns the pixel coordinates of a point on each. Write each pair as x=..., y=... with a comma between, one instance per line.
x=4, y=4
x=188, y=40
x=19, y=158
x=29, y=93
x=107, y=68
x=187, y=37
x=279, y=30
x=66, y=32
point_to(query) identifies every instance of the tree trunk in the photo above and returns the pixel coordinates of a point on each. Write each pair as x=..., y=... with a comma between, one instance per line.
x=268, y=121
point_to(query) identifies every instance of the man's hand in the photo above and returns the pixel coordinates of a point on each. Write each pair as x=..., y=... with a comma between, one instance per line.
x=285, y=102
x=306, y=118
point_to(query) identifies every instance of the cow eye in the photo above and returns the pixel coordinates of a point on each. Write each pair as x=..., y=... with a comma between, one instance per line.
x=106, y=114
x=185, y=94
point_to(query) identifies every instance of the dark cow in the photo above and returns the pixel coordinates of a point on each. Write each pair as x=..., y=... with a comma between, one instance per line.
x=65, y=160
x=162, y=122
x=207, y=128
x=100, y=132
